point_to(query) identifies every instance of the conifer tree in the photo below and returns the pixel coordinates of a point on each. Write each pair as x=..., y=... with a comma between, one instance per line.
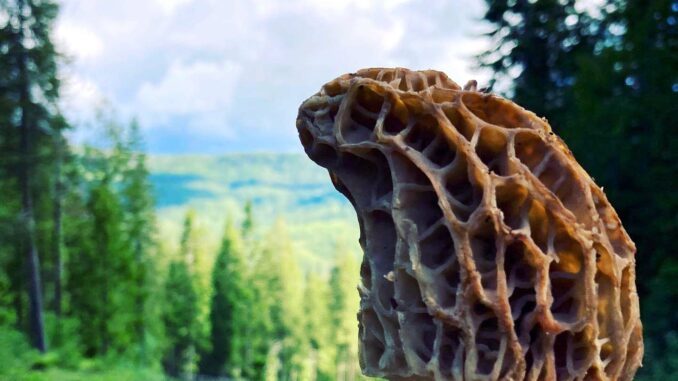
x=187, y=248
x=608, y=86
x=261, y=278
x=140, y=223
x=290, y=307
x=181, y=312
x=535, y=47
x=228, y=310
x=279, y=345
x=344, y=307
x=318, y=328
x=111, y=253
x=109, y=239
x=179, y=319
x=193, y=252
x=98, y=270
x=29, y=91
x=248, y=221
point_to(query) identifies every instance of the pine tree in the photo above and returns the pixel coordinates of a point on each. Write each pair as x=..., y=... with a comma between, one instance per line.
x=248, y=221
x=343, y=309
x=187, y=244
x=535, y=46
x=318, y=327
x=228, y=310
x=179, y=319
x=108, y=237
x=96, y=272
x=181, y=313
x=290, y=306
x=111, y=253
x=199, y=266
x=283, y=282
x=635, y=155
x=278, y=345
x=261, y=278
x=616, y=112
x=140, y=223
x=29, y=91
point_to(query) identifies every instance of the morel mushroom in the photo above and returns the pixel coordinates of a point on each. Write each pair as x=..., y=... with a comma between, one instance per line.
x=489, y=253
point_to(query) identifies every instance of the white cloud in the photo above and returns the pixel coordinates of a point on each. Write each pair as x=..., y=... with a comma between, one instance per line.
x=79, y=41
x=190, y=88
x=240, y=69
x=203, y=90
x=170, y=5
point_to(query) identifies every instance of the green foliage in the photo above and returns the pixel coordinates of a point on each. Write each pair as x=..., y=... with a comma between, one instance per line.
x=276, y=279
x=288, y=310
x=288, y=186
x=321, y=356
x=343, y=310
x=242, y=311
x=535, y=46
x=108, y=234
x=139, y=220
x=180, y=314
x=65, y=337
x=248, y=221
x=606, y=81
x=16, y=355
x=179, y=319
x=230, y=298
x=29, y=142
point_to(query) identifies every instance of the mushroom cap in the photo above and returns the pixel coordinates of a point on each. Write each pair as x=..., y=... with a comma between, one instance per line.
x=489, y=253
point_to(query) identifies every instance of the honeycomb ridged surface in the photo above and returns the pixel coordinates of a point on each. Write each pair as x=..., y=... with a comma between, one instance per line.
x=489, y=253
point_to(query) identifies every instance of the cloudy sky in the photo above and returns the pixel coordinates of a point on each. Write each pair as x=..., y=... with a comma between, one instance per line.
x=213, y=76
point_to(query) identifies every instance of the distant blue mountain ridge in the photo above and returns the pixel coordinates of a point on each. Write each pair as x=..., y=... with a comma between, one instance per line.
x=287, y=186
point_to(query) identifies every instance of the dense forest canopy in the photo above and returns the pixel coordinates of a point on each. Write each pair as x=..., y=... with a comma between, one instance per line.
x=90, y=287
x=607, y=81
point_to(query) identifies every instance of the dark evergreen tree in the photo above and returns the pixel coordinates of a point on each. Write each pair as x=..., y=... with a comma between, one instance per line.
x=179, y=319
x=139, y=222
x=57, y=230
x=634, y=154
x=535, y=45
x=110, y=250
x=187, y=244
x=228, y=310
x=29, y=90
x=109, y=241
x=615, y=109
x=181, y=312
x=259, y=263
x=248, y=221
x=93, y=269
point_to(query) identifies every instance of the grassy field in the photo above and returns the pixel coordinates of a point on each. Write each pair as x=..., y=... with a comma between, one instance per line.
x=116, y=374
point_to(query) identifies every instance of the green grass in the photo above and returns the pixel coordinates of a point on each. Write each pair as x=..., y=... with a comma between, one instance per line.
x=118, y=373
x=19, y=362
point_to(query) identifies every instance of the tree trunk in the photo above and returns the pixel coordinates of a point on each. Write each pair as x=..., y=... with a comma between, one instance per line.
x=32, y=260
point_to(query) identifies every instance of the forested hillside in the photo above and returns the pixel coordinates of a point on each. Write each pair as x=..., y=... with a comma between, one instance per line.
x=278, y=186
x=95, y=283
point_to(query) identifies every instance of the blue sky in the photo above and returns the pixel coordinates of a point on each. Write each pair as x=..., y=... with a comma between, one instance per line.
x=215, y=76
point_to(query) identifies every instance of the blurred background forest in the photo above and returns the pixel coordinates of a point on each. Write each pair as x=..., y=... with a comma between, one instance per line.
x=116, y=264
